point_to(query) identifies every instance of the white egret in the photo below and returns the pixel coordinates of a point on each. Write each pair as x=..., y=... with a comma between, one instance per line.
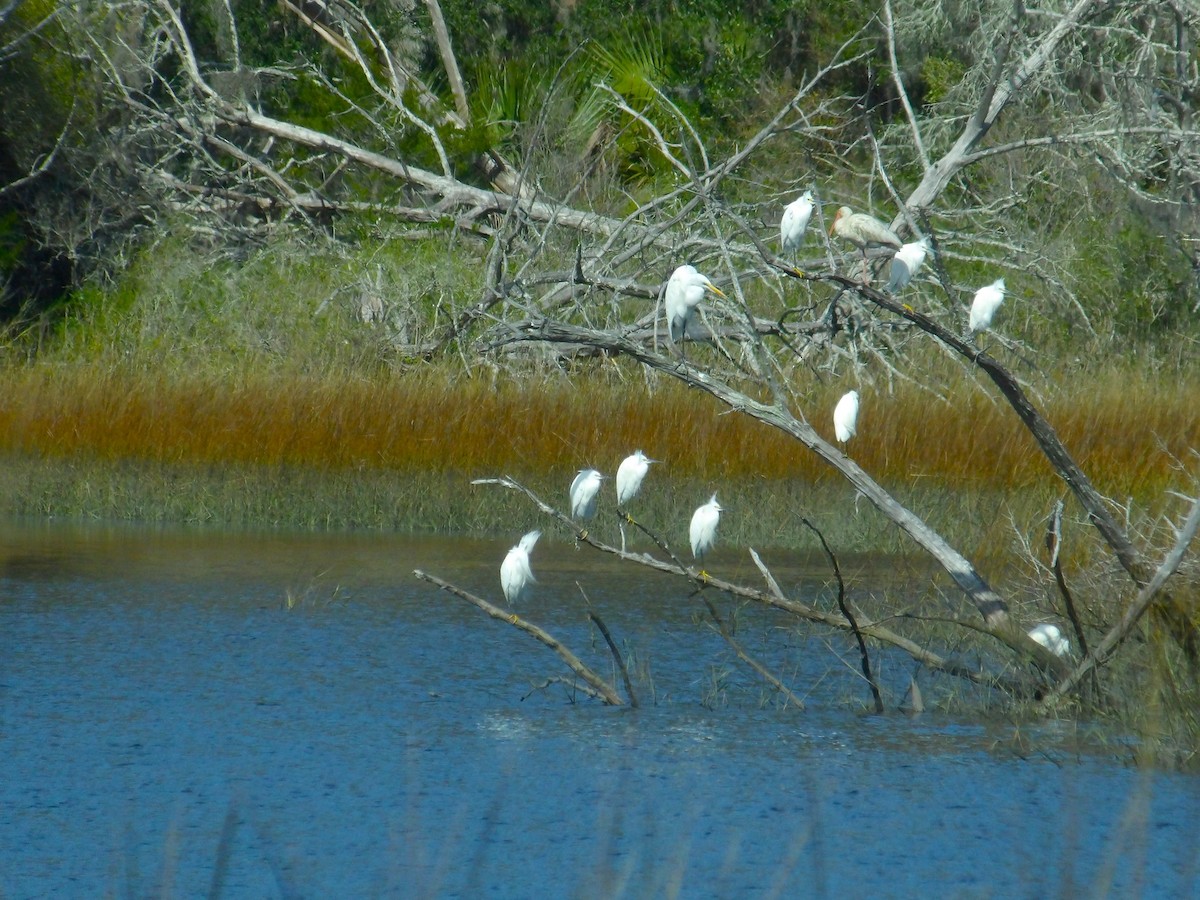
x=629, y=481
x=906, y=263
x=685, y=290
x=515, y=574
x=987, y=301
x=630, y=474
x=584, y=491
x=863, y=231
x=703, y=531
x=795, y=222
x=1050, y=637
x=845, y=416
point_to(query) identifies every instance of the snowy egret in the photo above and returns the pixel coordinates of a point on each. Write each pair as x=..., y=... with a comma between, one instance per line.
x=685, y=290
x=515, y=574
x=845, y=416
x=795, y=222
x=629, y=481
x=629, y=476
x=584, y=491
x=987, y=301
x=1051, y=638
x=863, y=231
x=906, y=263
x=704, y=527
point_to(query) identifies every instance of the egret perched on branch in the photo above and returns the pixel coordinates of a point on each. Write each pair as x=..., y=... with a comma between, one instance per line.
x=1051, y=638
x=515, y=574
x=629, y=481
x=906, y=263
x=704, y=527
x=685, y=290
x=629, y=476
x=987, y=301
x=584, y=491
x=795, y=222
x=845, y=416
x=863, y=231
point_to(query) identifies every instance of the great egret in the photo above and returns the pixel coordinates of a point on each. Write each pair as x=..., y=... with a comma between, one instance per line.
x=795, y=222
x=863, y=231
x=1050, y=637
x=685, y=290
x=584, y=491
x=704, y=527
x=987, y=301
x=845, y=416
x=906, y=263
x=515, y=574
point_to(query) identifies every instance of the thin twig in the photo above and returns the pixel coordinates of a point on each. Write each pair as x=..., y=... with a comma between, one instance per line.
x=841, y=598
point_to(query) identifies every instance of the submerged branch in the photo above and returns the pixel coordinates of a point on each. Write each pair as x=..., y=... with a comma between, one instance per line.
x=602, y=687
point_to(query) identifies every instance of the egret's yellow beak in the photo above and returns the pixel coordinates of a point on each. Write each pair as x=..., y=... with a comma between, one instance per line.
x=716, y=290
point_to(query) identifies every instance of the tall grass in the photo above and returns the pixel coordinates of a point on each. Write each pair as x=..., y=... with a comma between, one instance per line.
x=1128, y=434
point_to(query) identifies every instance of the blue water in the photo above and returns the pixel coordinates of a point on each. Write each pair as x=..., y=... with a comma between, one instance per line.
x=160, y=701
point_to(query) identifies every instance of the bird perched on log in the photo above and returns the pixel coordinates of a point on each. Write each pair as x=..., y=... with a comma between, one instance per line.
x=983, y=307
x=515, y=574
x=863, y=231
x=906, y=263
x=795, y=222
x=685, y=289
x=845, y=416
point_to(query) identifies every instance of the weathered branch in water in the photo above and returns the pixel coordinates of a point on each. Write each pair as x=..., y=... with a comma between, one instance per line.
x=1093, y=502
x=606, y=691
x=778, y=600
x=841, y=599
x=1146, y=596
x=990, y=605
x=749, y=660
x=616, y=654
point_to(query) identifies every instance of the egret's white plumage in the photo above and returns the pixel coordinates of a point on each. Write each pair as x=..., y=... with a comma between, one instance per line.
x=987, y=301
x=630, y=474
x=515, y=574
x=685, y=290
x=584, y=491
x=1050, y=637
x=845, y=416
x=795, y=222
x=906, y=263
x=703, y=531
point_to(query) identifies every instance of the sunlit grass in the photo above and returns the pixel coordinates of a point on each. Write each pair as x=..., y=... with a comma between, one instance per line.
x=1129, y=437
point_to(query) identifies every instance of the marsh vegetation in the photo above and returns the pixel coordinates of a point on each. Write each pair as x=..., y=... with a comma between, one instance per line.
x=308, y=286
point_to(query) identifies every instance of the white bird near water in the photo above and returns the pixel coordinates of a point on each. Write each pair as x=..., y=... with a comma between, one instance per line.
x=685, y=290
x=987, y=301
x=845, y=416
x=906, y=264
x=515, y=574
x=630, y=474
x=863, y=231
x=1050, y=637
x=629, y=481
x=584, y=491
x=703, y=531
x=795, y=222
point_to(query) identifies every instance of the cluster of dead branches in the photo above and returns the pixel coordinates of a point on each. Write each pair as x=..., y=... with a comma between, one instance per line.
x=213, y=150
